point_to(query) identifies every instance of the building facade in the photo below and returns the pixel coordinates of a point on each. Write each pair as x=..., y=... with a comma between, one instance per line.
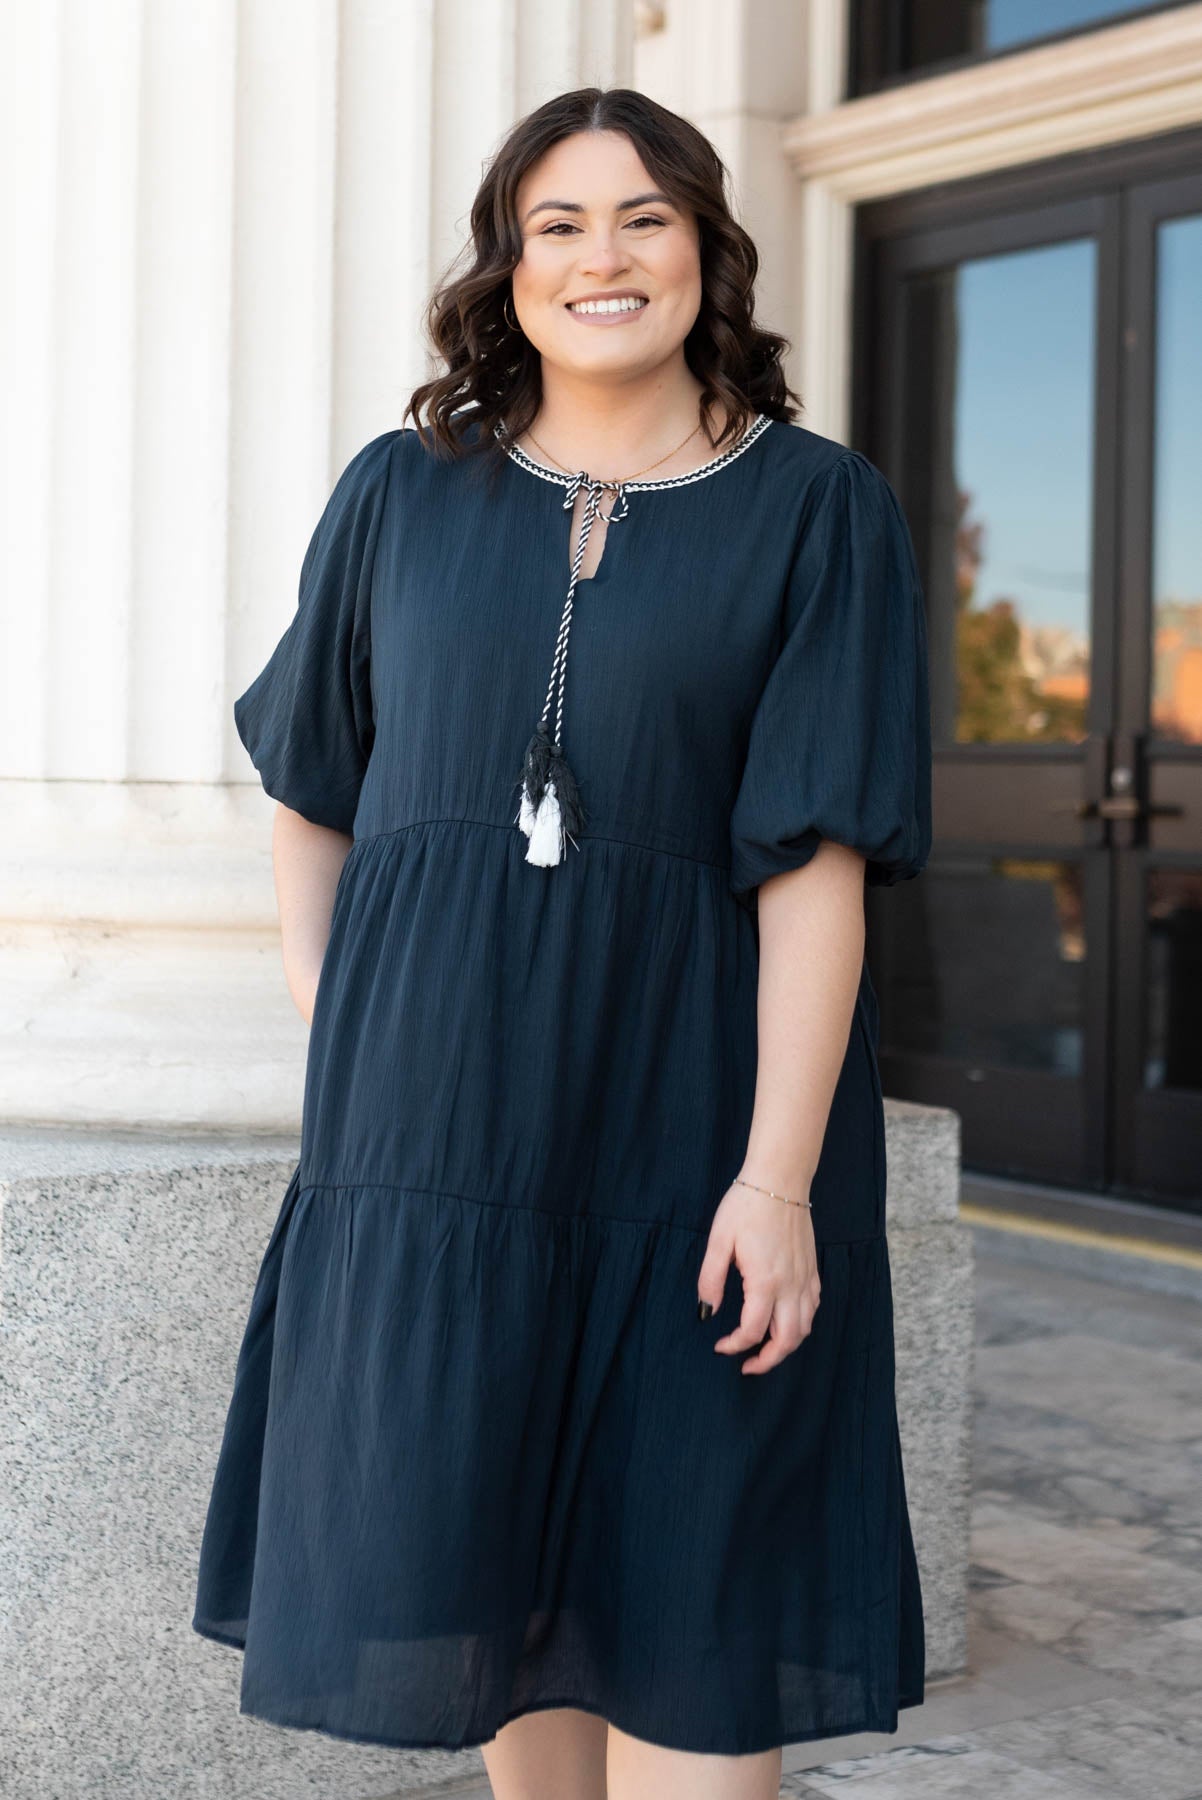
x=981, y=227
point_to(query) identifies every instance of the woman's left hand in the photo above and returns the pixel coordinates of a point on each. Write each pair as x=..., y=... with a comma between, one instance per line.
x=771, y=1243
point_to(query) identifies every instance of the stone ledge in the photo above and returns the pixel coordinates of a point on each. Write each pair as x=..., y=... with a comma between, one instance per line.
x=922, y=1152
x=127, y=1263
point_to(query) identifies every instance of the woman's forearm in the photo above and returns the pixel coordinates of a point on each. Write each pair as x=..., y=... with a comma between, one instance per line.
x=307, y=860
x=811, y=929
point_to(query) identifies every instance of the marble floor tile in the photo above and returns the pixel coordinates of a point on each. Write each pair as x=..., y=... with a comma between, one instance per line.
x=1055, y=1621
x=1011, y=1299
x=1030, y=1676
x=1072, y=1472
x=1168, y=1658
x=1183, y=1708
x=1031, y=1433
x=1117, y=1747
x=1082, y=1564
x=1178, y=1546
x=1144, y=1393
x=1007, y=1677
x=950, y=1768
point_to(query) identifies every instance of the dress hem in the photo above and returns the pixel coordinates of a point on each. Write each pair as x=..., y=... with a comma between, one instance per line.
x=886, y=1723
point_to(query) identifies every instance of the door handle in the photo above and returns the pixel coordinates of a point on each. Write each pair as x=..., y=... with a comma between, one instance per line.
x=1116, y=769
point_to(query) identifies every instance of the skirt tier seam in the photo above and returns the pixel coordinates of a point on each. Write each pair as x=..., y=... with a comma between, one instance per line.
x=545, y=1212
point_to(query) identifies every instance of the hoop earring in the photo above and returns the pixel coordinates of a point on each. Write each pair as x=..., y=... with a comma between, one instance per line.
x=512, y=323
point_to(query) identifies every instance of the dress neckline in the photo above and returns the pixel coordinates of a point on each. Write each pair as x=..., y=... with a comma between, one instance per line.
x=563, y=478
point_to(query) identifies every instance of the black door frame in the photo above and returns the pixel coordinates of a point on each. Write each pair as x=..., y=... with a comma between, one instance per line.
x=1157, y=1133
x=1107, y=1136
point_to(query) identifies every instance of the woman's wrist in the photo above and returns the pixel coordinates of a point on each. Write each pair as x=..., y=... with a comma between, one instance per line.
x=783, y=1170
x=801, y=1201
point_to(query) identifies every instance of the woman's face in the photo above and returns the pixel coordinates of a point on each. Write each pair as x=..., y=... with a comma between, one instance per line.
x=582, y=236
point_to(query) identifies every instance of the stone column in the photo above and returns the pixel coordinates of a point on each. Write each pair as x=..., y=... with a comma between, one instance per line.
x=227, y=219
x=743, y=71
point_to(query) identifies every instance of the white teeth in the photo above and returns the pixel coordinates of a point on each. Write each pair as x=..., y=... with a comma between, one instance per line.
x=601, y=306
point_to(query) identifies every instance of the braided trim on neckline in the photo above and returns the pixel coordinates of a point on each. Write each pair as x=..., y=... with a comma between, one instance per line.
x=562, y=478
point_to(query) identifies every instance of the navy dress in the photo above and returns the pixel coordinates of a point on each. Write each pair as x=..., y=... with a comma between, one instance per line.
x=481, y=1457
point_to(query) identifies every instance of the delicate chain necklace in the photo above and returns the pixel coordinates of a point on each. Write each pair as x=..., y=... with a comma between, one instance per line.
x=625, y=478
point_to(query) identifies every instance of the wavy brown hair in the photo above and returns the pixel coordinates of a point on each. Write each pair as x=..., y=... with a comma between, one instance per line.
x=492, y=371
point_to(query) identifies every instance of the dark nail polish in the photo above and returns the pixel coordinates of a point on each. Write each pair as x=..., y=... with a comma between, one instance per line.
x=705, y=1309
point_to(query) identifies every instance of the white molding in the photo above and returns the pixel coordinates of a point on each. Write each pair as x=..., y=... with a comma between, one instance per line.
x=824, y=340
x=1109, y=86
x=825, y=35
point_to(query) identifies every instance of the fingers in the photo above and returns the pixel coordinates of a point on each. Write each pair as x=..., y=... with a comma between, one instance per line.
x=711, y=1277
x=778, y=1309
x=789, y=1327
x=753, y=1320
x=773, y=1326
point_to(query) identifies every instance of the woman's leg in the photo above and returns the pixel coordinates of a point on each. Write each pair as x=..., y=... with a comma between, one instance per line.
x=555, y=1754
x=639, y=1771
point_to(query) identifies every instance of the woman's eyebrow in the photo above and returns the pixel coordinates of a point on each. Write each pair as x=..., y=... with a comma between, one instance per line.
x=575, y=206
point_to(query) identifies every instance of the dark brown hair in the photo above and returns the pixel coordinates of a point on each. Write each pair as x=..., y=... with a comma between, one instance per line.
x=493, y=372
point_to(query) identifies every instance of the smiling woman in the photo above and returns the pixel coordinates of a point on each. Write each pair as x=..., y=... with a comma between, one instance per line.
x=593, y=1051
x=570, y=211
x=630, y=265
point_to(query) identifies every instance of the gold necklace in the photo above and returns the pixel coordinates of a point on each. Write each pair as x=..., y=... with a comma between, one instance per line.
x=637, y=473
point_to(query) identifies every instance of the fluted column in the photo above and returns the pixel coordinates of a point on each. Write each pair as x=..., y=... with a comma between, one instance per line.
x=742, y=71
x=221, y=226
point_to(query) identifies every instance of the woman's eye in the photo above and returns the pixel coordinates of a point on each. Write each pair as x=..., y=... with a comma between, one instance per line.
x=566, y=225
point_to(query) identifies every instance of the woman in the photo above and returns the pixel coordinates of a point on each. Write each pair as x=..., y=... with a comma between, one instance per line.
x=592, y=1122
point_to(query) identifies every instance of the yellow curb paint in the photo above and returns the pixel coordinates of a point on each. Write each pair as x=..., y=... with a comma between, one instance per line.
x=1178, y=1254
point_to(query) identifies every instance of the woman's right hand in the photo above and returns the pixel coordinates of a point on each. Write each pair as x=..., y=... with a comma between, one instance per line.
x=306, y=1000
x=308, y=860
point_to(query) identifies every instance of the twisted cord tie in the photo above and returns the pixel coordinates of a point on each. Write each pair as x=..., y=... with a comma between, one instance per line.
x=550, y=810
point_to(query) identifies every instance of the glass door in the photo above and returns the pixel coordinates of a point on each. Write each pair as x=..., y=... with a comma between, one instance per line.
x=1028, y=379
x=1158, y=848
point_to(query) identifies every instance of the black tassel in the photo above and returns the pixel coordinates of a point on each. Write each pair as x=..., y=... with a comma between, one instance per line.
x=550, y=809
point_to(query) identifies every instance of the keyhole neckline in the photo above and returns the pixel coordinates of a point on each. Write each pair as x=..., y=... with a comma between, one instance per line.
x=563, y=478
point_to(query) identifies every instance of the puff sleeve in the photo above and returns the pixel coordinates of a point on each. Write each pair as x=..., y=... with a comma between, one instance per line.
x=840, y=741
x=308, y=719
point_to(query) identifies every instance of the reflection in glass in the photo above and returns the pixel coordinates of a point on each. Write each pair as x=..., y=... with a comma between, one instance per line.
x=1176, y=699
x=935, y=31
x=989, y=964
x=998, y=485
x=1173, y=995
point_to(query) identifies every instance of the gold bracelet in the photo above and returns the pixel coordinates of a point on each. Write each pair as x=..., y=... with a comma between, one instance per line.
x=785, y=1197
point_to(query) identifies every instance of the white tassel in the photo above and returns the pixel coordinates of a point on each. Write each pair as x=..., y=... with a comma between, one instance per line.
x=546, y=832
x=550, y=810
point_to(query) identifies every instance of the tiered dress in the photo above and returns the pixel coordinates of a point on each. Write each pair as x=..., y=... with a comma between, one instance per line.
x=481, y=1457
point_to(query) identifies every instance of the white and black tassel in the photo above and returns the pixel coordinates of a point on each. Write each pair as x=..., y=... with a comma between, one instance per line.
x=550, y=808
x=550, y=811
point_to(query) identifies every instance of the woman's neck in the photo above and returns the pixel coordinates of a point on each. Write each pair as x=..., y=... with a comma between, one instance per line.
x=613, y=435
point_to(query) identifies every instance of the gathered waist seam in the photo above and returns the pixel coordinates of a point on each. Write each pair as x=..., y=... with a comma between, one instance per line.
x=371, y=837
